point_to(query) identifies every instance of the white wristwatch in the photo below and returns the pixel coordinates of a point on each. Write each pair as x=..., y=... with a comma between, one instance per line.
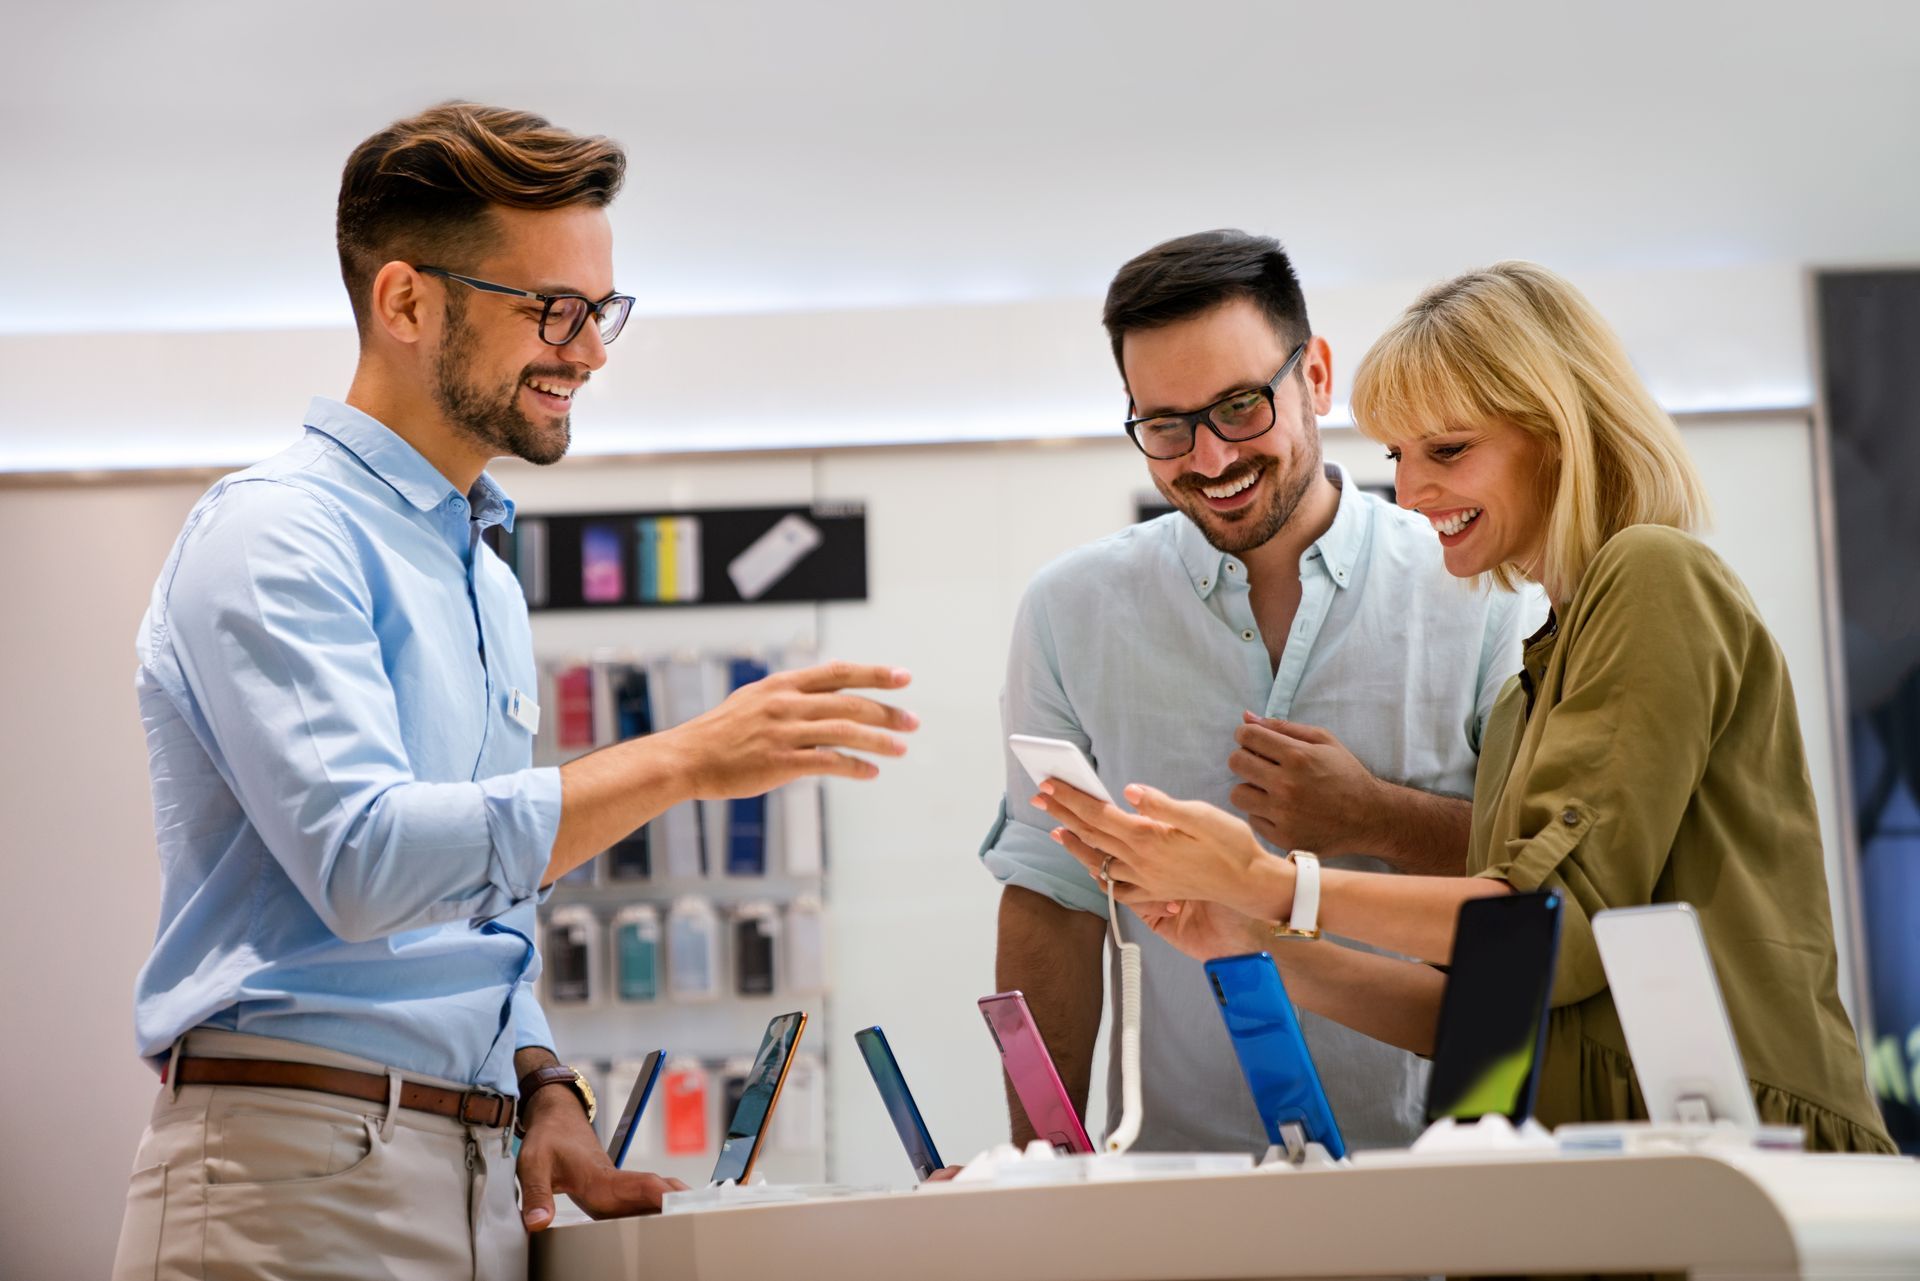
x=1304, y=921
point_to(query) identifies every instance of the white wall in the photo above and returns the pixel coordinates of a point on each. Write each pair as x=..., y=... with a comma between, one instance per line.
x=954, y=533
x=76, y=843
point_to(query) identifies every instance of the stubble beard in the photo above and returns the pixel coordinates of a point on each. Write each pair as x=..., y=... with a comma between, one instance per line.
x=492, y=418
x=1237, y=533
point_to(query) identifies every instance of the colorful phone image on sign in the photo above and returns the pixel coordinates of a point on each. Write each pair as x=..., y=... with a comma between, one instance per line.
x=602, y=577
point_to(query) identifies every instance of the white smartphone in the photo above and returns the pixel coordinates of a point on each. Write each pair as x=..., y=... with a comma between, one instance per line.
x=769, y=557
x=1047, y=758
x=1678, y=1034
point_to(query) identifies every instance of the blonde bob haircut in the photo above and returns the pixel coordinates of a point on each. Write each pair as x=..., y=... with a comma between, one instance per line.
x=1517, y=345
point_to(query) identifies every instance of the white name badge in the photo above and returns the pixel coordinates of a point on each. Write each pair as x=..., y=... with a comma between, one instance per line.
x=524, y=710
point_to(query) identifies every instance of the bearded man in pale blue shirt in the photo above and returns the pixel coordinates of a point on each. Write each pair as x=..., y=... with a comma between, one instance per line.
x=1283, y=644
x=337, y=683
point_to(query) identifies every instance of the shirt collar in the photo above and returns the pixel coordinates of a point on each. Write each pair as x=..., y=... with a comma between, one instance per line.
x=402, y=466
x=1336, y=550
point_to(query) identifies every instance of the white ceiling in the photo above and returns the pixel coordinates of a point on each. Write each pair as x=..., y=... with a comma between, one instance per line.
x=173, y=165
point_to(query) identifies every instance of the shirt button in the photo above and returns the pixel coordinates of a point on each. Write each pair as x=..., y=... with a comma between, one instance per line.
x=1232, y=567
x=1570, y=817
x=1206, y=583
x=1246, y=636
x=459, y=504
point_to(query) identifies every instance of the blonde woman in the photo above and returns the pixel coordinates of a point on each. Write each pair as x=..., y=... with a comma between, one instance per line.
x=1648, y=752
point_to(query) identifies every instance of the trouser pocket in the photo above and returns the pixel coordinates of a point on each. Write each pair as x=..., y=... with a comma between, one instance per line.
x=138, y=1256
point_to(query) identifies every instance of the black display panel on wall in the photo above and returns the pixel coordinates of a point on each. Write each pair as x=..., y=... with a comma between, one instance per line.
x=1870, y=354
x=712, y=556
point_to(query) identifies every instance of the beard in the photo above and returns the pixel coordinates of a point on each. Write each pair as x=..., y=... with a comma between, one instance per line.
x=491, y=416
x=1239, y=532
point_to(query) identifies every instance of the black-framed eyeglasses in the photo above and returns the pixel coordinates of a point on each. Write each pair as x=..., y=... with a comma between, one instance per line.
x=561, y=315
x=1238, y=416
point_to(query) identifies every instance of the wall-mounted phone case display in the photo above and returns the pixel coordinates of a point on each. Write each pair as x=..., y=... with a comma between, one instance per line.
x=718, y=556
x=686, y=933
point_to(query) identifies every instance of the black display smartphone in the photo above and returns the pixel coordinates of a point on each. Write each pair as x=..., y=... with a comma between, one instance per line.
x=742, y=1142
x=1493, y=1016
x=636, y=1108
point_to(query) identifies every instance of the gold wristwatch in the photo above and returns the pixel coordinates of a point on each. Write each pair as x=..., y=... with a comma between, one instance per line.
x=555, y=1074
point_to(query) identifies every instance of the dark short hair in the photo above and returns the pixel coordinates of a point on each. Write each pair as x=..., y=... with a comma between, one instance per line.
x=1197, y=273
x=420, y=189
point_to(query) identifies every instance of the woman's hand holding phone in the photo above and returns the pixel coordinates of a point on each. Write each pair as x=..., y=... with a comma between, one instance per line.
x=1170, y=851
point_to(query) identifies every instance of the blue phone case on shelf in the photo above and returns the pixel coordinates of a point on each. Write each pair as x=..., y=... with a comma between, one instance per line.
x=1273, y=1053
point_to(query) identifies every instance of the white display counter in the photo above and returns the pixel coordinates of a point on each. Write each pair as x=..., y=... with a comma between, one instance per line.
x=1758, y=1215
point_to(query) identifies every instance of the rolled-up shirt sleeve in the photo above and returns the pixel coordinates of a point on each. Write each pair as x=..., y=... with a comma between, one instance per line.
x=277, y=657
x=1018, y=849
x=530, y=1027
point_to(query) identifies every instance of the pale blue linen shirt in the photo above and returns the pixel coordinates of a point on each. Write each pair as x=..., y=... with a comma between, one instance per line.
x=1143, y=649
x=351, y=837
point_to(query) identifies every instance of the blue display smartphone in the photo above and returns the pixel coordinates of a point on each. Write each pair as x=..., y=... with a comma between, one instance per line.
x=1493, y=1016
x=899, y=1100
x=636, y=1108
x=1273, y=1054
x=741, y=1146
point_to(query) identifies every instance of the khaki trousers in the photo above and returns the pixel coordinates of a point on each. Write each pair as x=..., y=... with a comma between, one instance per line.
x=234, y=1182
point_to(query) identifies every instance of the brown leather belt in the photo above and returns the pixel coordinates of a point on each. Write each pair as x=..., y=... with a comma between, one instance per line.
x=470, y=1107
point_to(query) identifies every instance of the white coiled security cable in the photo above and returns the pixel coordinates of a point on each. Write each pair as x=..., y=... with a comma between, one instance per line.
x=1130, y=1108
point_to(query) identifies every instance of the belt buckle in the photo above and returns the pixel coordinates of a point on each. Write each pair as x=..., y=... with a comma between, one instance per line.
x=500, y=1102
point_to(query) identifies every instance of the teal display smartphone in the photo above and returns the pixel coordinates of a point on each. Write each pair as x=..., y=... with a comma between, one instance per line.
x=1273, y=1053
x=741, y=1146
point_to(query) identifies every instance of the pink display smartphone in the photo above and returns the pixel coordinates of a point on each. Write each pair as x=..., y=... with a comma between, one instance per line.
x=1049, y=1111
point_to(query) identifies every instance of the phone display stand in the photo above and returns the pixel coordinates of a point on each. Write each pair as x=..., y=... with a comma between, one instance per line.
x=1492, y=1133
x=1295, y=1152
x=1707, y=1135
x=1042, y=1166
x=730, y=1195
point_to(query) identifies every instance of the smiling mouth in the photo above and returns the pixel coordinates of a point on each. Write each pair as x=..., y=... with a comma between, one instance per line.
x=552, y=390
x=1453, y=523
x=1229, y=493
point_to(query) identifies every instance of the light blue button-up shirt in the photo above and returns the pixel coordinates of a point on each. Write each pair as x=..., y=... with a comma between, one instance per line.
x=351, y=838
x=1143, y=649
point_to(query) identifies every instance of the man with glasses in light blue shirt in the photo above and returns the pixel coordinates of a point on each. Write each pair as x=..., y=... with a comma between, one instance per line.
x=337, y=683
x=1284, y=644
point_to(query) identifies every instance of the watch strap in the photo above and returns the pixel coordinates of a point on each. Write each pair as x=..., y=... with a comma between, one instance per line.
x=1303, y=922
x=556, y=1074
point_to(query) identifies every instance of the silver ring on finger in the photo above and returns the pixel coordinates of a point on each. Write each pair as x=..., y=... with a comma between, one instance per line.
x=1106, y=870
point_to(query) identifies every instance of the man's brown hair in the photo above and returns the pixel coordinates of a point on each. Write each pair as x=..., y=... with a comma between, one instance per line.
x=419, y=190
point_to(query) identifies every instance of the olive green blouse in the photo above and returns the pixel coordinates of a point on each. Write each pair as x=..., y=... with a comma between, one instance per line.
x=1649, y=752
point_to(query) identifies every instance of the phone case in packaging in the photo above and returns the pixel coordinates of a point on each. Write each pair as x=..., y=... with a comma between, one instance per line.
x=573, y=713
x=806, y=969
x=570, y=956
x=636, y=953
x=693, y=950
x=801, y=1123
x=800, y=826
x=756, y=934
x=684, y=1097
x=632, y=858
